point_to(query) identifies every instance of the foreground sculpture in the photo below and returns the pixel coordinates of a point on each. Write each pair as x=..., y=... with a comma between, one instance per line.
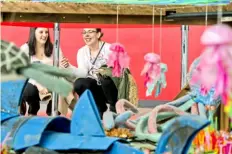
x=84, y=132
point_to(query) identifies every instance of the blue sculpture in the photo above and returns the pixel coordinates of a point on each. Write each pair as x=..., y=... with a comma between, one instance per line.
x=178, y=136
x=83, y=132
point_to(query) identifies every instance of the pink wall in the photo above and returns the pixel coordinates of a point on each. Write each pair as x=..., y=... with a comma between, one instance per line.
x=138, y=42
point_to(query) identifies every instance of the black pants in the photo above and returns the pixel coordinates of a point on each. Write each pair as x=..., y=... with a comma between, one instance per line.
x=104, y=93
x=31, y=96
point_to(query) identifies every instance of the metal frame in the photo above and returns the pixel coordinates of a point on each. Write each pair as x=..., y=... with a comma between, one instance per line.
x=56, y=59
x=184, y=54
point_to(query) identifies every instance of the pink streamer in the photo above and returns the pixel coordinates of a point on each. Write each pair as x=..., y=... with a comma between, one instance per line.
x=5, y=141
x=118, y=59
x=151, y=68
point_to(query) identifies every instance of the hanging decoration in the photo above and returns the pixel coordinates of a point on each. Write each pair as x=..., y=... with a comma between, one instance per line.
x=118, y=59
x=154, y=70
x=215, y=67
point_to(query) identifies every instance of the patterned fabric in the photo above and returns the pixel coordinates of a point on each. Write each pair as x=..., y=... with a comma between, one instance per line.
x=133, y=90
x=12, y=58
x=101, y=60
x=85, y=60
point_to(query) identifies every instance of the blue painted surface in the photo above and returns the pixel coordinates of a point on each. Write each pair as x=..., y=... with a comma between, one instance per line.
x=83, y=132
x=6, y=116
x=194, y=123
x=85, y=117
x=11, y=92
x=119, y=148
x=30, y=133
x=7, y=126
x=55, y=141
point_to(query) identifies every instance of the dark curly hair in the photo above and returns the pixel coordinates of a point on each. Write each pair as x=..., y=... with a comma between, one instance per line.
x=32, y=42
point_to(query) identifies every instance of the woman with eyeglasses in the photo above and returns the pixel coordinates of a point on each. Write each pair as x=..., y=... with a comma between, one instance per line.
x=90, y=58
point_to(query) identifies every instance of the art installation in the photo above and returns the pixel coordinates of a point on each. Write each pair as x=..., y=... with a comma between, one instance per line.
x=118, y=59
x=214, y=68
x=154, y=72
x=185, y=125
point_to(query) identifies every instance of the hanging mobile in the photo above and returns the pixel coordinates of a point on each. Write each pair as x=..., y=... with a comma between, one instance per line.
x=118, y=58
x=154, y=70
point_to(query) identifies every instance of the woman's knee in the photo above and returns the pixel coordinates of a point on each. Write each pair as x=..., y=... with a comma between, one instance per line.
x=82, y=84
x=108, y=82
x=31, y=93
x=33, y=108
x=110, y=89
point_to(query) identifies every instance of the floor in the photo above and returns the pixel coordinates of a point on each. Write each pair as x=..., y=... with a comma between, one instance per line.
x=142, y=111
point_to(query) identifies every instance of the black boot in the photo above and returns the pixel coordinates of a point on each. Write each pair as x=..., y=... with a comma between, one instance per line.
x=23, y=108
x=112, y=108
x=49, y=109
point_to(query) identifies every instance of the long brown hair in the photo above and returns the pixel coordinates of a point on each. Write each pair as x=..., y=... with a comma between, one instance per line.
x=32, y=42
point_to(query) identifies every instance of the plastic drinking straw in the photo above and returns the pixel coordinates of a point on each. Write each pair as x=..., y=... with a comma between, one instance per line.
x=220, y=148
x=230, y=147
x=5, y=140
x=230, y=123
x=207, y=137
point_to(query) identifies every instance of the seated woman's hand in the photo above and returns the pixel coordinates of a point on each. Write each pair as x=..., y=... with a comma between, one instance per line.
x=64, y=62
x=98, y=71
x=43, y=91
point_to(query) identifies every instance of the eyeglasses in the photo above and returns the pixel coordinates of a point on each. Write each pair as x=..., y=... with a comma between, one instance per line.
x=88, y=32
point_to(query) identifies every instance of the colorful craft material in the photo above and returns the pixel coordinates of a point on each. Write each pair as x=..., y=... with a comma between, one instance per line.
x=211, y=141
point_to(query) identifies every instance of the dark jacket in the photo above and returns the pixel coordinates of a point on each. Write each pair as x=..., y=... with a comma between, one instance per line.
x=126, y=85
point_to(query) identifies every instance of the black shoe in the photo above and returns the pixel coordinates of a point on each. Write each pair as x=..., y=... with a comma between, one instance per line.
x=112, y=109
x=23, y=108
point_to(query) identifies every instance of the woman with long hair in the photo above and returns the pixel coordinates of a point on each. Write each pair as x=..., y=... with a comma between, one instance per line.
x=39, y=48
